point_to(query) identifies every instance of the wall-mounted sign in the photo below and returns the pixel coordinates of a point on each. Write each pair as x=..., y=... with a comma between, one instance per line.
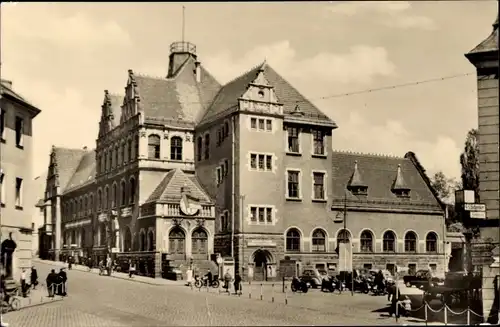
x=474, y=207
x=268, y=243
x=478, y=214
x=464, y=196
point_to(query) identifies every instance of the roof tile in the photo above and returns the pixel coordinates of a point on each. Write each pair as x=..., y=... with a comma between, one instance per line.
x=84, y=173
x=67, y=161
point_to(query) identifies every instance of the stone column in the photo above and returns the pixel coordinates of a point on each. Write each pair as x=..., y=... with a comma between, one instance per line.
x=117, y=240
x=57, y=234
x=189, y=243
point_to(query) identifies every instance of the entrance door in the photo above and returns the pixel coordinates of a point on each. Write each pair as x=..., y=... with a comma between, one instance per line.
x=177, y=244
x=199, y=246
x=260, y=259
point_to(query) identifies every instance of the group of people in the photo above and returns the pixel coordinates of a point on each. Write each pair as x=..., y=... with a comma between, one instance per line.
x=227, y=278
x=56, y=283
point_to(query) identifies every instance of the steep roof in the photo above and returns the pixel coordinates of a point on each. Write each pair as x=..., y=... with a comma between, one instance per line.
x=67, y=161
x=7, y=90
x=169, y=189
x=84, y=173
x=227, y=98
x=490, y=43
x=399, y=182
x=180, y=100
x=379, y=173
x=356, y=180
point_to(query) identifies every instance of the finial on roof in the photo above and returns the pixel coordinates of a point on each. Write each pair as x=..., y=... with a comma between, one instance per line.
x=399, y=183
x=297, y=111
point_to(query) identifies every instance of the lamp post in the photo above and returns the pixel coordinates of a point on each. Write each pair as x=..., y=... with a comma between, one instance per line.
x=241, y=259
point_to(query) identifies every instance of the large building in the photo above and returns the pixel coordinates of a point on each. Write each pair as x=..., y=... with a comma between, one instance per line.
x=16, y=160
x=185, y=167
x=485, y=58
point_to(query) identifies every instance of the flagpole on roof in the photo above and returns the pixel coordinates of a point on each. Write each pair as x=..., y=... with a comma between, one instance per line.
x=183, y=22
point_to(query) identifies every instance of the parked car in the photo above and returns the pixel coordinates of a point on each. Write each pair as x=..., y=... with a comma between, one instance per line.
x=423, y=278
x=313, y=276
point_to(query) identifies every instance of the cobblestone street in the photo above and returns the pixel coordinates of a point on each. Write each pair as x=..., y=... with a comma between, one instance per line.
x=102, y=301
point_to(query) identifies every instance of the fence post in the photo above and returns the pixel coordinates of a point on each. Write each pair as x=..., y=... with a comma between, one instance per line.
x=445, y=315
x=249, y=290
x=425, y=312
x=272, y=292
x=286, y=298
x=468, y=316
x=261, y=289
x=283, y=284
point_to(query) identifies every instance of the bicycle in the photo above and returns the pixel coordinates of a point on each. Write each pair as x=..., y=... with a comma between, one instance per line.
x=13, y=303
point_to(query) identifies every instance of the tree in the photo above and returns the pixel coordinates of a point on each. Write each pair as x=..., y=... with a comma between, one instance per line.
x=469, y=160
x=442, y=185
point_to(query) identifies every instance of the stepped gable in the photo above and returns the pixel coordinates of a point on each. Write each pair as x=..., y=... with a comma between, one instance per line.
x=67, y=161
x=378, y=172
x=227, y=98
x=180, y=100
x=169, y=189
x=84, y=173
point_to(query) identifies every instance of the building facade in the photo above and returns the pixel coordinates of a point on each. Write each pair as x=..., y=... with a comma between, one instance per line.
x=187, y=167
x=16, y=156
x=485, y=58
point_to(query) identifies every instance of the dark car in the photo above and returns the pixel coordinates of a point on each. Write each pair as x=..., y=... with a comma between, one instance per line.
x=422, y=278
x=313, y=277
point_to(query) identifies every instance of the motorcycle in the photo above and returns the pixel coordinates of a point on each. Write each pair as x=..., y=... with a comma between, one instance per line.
x=328, y=284
x=199, y=283
x=379, y=289
x=362, y=286
x=299, y=285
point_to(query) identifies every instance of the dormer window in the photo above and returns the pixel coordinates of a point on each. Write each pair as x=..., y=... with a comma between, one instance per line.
x=399, y=186
x=402, y=193
x=358, y=190
x=356, y=184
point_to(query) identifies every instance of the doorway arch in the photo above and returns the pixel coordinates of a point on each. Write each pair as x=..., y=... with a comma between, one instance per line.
x=261, y=260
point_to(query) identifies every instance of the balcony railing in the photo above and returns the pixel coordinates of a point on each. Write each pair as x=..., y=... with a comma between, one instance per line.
x=173, y=210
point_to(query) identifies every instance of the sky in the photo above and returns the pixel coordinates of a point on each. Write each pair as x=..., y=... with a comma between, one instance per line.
x=62, y=56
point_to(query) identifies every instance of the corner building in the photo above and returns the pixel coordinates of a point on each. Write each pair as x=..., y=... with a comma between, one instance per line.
x=185, y=167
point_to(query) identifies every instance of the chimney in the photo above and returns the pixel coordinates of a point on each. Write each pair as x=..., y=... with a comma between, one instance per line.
x=197, y=71
x=7, y=83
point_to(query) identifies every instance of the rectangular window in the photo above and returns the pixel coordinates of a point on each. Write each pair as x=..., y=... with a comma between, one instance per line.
x=319, y=145
x=253, y=161
x=19, y=131
x=261, y=124
x=261, y=215
x=433, y=267
x=226, y=166
x=319, y=188
x=253, y=123
x=2, y=123
x=261, y=161
x=367, y=266
x=269, y=125
x=293, y=139
x=269, y=162
x=2, y=188
x=207, y=146
x=218, y=176
x=223, y=172
x=293, y=184
x=19, y=192
x=269, y=215
x=253, y=214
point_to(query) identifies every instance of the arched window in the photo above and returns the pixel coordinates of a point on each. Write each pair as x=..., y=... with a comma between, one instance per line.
x=73, y=237
x=105, y=198
x=99, y=200
x=176, y=239
x=410, y=242
x=199, y=242
x=128, y=152
x=199, y=148
x=91, y=203
x=389, y=242
x=142, y=241
x=132, y=189
x=207, y=146
x=103, y=163
x=293, y=240
x=176, y=148
x=343, y=236
x=153, y=147
x=151, y=241
x=366, y=241
x=431, y=242
x=120, y=155
x=319, y=241
x=113, y=196
x=123, y=192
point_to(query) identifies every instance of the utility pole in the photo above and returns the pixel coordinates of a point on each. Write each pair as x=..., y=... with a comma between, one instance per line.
x=242, y=225
x=183, y=22
x=345, y=241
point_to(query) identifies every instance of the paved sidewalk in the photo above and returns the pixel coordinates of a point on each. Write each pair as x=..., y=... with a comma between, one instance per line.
x=120, y=275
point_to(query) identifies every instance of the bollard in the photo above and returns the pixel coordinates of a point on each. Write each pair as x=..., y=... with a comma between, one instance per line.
x=249, y=290
x=261, y=291
x=283, y=286
x=272, y=292
x=445, y=315
x=468, y=316
x=286, y=298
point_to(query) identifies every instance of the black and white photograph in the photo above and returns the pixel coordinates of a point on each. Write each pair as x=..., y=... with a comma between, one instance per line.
x=249, y=163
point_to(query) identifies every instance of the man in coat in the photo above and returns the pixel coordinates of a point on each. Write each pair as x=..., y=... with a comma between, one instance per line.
x=51, y=282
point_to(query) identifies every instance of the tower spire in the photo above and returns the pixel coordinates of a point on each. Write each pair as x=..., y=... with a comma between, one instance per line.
x=183, y=22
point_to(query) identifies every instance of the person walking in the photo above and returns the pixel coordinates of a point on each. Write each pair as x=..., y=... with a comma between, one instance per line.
x=62, y=279
x=23, y=282
x=131, y=268
x=237, y=284
x=227, y=280
x=34, y=277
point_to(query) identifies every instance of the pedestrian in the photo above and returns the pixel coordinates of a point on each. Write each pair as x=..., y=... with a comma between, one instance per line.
x=34, y=277
x=70, y=262
x=23, y=282
x=89, y=264
x=51, y=282
x=109, y=263
x=396, y=294
x=189, y=276
x=131, y=268
x=237, y=284
x=227, y=280
x=62, y=279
